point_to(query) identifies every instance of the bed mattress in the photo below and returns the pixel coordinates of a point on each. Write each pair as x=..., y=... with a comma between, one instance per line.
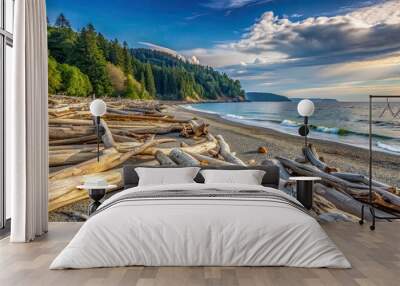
x=201, y=225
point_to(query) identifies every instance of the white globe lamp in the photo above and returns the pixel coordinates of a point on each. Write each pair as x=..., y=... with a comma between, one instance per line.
x=98, y=108
x=305, y=108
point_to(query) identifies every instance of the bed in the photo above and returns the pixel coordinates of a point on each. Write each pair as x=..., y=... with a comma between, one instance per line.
x=198, y=224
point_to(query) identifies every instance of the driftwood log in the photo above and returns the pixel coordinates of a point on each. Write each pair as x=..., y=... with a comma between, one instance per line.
x=328, y=212
x=284, y=184
x=207, y=160
x=283, y=173
x=311, y=155
x=195, y=129
x=381, y=198
x=63, y=191
x=109, y=160
x=344, y=202
x=80, y=147
x=107, y=137
x=182, y=158
x=164, y=160
x=358, y=178
x=69, y=157
x=226, y=153
x=74, y=140
x=64, y=132
x=201, y=148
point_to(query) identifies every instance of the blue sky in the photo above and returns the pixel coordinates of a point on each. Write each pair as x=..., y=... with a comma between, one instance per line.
x=338, y=48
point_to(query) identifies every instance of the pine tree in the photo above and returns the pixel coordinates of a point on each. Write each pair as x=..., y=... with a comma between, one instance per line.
x=143, y=84
x=164, y=81
x=128, y=68
x=104, y=46
x=150, y=85
x=116, y=54
x=61, y=42
x=62, y=22
x=90, y=60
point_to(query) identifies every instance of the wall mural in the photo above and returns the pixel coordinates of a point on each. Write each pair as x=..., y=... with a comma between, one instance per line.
x=219, y=83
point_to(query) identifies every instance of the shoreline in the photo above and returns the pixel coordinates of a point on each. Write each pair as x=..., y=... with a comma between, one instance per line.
x=378, y=147
x=245, y=140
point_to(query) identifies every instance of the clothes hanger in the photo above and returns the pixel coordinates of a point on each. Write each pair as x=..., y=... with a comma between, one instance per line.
x=389, y=108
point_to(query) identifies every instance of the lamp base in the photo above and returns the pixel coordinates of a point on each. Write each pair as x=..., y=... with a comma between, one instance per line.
x=96, y=195
x=304, y=130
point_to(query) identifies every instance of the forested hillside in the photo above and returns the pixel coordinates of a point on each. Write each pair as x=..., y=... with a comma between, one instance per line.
x=85, y=63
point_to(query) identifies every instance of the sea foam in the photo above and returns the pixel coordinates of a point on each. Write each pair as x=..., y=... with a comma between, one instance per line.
x=234, y=116
x=290, y=123
x=190, y=107
x=388, y=147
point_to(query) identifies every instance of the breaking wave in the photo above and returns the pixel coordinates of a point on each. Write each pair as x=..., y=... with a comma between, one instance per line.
x=388, y=147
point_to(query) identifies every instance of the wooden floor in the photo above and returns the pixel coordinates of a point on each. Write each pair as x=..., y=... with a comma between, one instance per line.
x=375, y=257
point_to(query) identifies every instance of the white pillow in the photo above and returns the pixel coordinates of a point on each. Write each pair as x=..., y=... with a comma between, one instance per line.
x=166, y=176
x=248, y=177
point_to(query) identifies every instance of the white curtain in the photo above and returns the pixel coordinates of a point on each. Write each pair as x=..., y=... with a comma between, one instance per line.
x=27, y=124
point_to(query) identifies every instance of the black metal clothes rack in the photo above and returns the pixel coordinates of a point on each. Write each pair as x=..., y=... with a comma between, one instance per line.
x=370, y=205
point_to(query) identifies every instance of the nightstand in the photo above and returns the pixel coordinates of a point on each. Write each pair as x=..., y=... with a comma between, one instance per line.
x=304, y=189
x=96, y=193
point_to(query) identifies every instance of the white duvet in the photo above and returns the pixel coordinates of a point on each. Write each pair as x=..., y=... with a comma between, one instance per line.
x=200, y=231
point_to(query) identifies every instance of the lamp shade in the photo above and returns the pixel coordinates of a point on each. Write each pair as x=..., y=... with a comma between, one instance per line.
x=305, y=107
x=98, y=107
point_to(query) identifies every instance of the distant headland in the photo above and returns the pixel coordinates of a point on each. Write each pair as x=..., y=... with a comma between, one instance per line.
x=265, y=96
x=272, y=97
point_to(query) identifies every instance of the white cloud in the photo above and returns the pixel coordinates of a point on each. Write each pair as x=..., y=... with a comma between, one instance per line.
x=195, y=16
x=296, y=15
x=190, y=58
x=164, y=50
x=232, y=4
x=371, y=69
x=347, y=90
x=345, y=81
x=194, y=60
x=364, y=32
x=218, y=56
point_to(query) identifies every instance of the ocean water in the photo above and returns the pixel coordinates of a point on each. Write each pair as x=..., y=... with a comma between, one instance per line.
x=345, y=122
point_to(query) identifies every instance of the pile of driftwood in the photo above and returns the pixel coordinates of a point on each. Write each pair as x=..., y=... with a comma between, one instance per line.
x=338, y=193
x=138, y=132
x=131, y=131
